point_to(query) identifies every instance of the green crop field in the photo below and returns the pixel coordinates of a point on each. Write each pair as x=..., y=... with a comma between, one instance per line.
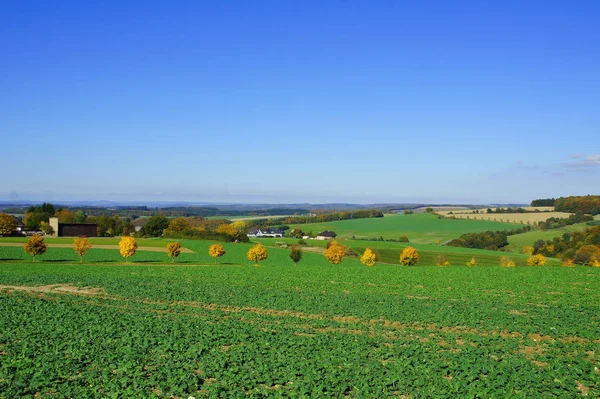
x=422, y=228
x=104, y=329
x=142, y=242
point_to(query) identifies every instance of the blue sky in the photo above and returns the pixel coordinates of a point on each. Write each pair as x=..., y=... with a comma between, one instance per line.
x=299, y=101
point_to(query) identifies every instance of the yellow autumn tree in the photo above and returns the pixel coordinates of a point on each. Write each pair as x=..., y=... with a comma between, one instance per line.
x=368, y=257
x=507, y=262
x=81, y=246
x=594, y=262
x=173, y=250
x=35, y=246
x=568, y=263
x=8, y=224
x=409, y=257
x=257, y=253
x=216, y=251
x=472, y=262
x=239, y=225
x=334, y=253
x=536, y=260
x=127, y=247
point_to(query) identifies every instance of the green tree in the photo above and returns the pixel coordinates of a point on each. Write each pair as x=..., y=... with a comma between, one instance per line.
x=295, y=254
x=155, y=225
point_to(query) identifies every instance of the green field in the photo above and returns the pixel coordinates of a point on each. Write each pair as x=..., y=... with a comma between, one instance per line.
x=389, y=252
x=517, y=241
x=421, y=228
x=316, y=330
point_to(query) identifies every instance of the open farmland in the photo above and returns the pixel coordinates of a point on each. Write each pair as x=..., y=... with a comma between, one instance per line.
x=519, y=218
x=316, y=330
x=422, y=228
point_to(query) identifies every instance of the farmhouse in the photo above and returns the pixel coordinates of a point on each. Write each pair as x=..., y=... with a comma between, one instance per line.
x=256, y=232
x=326, y=235
x=73, y=229
x=139, y=223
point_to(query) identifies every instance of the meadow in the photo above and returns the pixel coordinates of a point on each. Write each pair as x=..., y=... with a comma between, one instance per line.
x=420, y=228
x=105, y=329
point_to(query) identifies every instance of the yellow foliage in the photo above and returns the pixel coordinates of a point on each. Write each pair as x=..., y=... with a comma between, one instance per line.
x=127, y=247
x=228, y=229
x=216, y=250
x=368, y=258
x=568, y=263
x=178, y=225
x=335, y=253
x=594, y=262
x=527, y=250
x=257, y=253
x=507, y=262
x=409, y=256
x=35, y=246
x=81, y=246
x=472, y=262
x=7, y=224
x=536, y=260
x=239, y=225
x=442, y=261
x=173, y=250
x=65, y=216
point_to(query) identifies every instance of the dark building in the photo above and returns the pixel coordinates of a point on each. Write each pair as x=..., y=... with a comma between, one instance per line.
x=77, y=230
x=73, y=229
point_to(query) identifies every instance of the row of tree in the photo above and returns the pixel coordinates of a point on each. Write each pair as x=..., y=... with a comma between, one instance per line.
x=491, y=240
x=581, y=247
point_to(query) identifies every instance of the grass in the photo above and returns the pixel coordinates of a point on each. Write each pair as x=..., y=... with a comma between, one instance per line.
x=421, y=228
x=517, y=241
x=315, y=330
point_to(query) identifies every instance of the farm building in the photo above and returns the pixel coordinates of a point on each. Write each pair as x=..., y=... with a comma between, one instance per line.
x=326, y=235
x=73, y=229
x=256, y=232
x=139, y=223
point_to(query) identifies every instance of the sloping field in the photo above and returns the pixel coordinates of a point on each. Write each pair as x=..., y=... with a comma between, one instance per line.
x=520, y=218
x=517, y=241
x=389, y=252
x=423, y=228
x=315, y=330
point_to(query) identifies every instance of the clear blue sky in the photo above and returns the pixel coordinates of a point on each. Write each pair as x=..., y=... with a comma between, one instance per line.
x=299, y=101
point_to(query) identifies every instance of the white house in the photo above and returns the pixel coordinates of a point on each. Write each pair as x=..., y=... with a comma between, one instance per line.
x=326, y=235
x=256, y=232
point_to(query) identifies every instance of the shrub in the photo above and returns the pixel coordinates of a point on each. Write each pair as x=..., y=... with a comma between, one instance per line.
x=295, y=254
x=368, y=258
x=536, y=260
x=472, y=262
x=409, y=257
x=442, y=261
x=334, y=252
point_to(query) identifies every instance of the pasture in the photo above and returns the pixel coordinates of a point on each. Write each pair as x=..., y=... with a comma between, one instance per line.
x=420, y=228
x=104, y=329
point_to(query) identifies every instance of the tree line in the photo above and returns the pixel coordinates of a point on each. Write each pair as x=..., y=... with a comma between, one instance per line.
x=491, y=240
x=582, y=247
x=321, y=218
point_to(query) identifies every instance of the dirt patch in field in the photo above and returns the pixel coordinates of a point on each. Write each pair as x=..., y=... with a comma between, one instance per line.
x=55, y=288
x=99, y=246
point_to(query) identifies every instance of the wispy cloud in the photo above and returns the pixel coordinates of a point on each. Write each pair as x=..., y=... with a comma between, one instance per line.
x=583, y=162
